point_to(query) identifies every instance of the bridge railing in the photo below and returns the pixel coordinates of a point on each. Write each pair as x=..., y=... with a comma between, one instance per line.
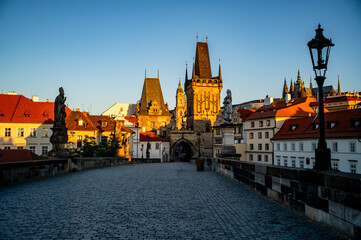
x=328, y=197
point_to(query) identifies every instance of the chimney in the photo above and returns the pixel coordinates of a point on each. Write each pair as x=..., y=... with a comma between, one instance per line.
x=268, y=100
x=288, y=98
x=77, y=109
x=12, y=93
x=35, y=98
x=47, y=100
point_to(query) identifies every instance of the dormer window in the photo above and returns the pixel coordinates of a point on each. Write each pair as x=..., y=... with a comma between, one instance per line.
x=355, y=123
x=80, y=122
x=293, y=127
x=331, y=125
x=315, y=126
x=104, y=124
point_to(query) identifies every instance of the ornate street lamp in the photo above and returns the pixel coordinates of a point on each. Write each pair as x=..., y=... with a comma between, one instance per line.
x=320, y=49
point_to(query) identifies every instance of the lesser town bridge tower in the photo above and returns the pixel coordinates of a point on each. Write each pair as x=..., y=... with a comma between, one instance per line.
x=202, y=91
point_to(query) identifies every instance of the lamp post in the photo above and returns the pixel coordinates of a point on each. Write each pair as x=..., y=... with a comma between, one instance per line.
x=320, y=48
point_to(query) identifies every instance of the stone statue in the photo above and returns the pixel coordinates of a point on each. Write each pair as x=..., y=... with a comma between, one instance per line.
x=148, y=150
x=60, y=135
x=59, y=110
x=227, y=102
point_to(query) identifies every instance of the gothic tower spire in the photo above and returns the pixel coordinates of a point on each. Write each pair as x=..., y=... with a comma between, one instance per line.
x=285, y=89
x=186, y=77
x=338, y=86
x=311, y=83
x=219, y=71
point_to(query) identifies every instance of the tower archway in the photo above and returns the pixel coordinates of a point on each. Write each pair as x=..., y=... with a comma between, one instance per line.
x=182, y=150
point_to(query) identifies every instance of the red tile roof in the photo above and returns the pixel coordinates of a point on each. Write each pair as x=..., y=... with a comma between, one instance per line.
x=341, y=98
x=245, y=113
x=132, y=119
x=17, y=155
x=125, y=129
x=297, y=107
x=304, y=126
x=151, y=136
x=19, y=109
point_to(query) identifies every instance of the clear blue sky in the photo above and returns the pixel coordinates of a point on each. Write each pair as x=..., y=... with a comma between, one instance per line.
x=98, y=50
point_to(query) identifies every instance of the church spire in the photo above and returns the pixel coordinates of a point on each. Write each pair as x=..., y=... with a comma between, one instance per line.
x=194, y=71
x=311, y=83
x=145, y=74
x=219, y=71
x=186, y=77
x=338, y=86
x=285, y=89
x=299, y=77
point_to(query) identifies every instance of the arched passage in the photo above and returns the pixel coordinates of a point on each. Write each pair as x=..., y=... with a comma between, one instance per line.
x=182, y=150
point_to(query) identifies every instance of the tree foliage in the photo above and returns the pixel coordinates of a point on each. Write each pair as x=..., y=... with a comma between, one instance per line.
x=103, y=149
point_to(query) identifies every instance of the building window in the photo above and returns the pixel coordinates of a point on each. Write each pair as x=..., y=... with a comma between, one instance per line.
x=7, y=132
x=285, y=146
x=353, y=167
x=278, y=146
x=313, y=146
x=32, y=148
x=266, y=146
x=80, y=122
x=153, y=124
x=301, y=146
x=251, y=146
x=259, y=146
x=235, y=130
x=104, y=139
x=250, y=135
x=278, y=160
x=218, y=131
x=239, y=130
x=308, y=161
x=352, y=147
x=268, y=123
x=266, y=158
x=79, y=141
x=285, y=161
x=302, y=164
x=20, y=147
x=293, y=146
x=251, y=157
x=20, y=132
x=157, y=146
x=7, y=148
x=44, y=150
x=45, y=132
x=293, y=161
x=32, y=132
x=259, y=157
x=334, y=147
x=266, y=134
x=252, y=124
x=260, y=123
x=104, y=124
x=260, y=135
x=334, y=164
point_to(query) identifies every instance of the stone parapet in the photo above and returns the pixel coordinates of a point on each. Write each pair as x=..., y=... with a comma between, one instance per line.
x=22, y=172
x=328, y=197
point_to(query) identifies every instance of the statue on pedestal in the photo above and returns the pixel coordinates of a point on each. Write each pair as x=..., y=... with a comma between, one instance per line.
x=60, y=135
x=227, y=102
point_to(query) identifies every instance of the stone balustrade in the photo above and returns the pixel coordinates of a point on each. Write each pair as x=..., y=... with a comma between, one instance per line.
x=328, y=197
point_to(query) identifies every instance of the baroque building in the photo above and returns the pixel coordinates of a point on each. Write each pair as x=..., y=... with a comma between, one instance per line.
x=151, y=111
x=202, y=91
x=181, y=106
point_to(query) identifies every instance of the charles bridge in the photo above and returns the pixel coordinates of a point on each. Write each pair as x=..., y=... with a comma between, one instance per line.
x=174, y=201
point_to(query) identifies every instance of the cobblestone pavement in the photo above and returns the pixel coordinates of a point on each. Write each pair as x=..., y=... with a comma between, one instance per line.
x=147, y=201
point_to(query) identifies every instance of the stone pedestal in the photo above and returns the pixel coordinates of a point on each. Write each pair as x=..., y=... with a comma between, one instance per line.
x=228, y=139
